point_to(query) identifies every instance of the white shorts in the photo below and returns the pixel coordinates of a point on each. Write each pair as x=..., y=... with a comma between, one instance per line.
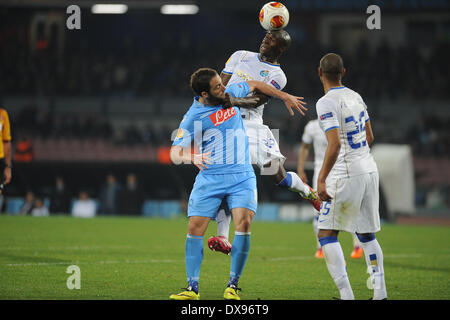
x=263, y=145
x=355, y=204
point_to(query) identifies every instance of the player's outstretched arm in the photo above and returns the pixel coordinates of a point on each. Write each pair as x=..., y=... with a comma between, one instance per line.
x=291, y=102
x=248, y=102
x=180, y=155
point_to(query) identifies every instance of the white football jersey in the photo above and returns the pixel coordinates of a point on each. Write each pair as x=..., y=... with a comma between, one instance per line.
x=344, y=109
x=246, y=65
x=314, y=135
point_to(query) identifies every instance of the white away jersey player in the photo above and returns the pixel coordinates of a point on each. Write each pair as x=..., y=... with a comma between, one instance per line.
x=353, y=181
x=243, y=66
x=314, y=135
x=344, y=108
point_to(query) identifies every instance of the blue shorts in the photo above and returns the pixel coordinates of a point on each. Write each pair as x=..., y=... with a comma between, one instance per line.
x=238, y=189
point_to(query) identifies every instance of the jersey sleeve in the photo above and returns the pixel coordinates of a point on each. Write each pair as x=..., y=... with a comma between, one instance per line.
x=238, y=90
x=307, y=134
x=327, y=114
x=185, y=132
x=6, y=128
x=232, y=62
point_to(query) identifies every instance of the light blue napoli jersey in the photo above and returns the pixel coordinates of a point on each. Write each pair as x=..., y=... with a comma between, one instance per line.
x=219, y=131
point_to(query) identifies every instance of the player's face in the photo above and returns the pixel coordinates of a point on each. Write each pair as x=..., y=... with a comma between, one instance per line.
x=269, y=44
x=216, y=91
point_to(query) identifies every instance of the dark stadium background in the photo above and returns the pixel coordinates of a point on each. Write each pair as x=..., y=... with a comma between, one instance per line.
x=105, y=99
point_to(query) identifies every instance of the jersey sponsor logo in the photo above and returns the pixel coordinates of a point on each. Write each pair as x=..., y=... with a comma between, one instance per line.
x=222, y=115
x=180, y=133
x=244, y=76
x=275, y=84
x=264, y=73
x=326, y=115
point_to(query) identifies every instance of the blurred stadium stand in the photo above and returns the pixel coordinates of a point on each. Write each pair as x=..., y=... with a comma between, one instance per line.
x=108, y=97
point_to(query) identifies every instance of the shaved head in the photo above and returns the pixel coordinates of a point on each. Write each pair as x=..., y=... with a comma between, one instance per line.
x=332, y=66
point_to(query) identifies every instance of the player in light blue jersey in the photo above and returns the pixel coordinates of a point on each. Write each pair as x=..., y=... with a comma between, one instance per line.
x=226, y=172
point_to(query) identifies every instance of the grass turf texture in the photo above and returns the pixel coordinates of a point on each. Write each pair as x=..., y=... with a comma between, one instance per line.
x=143, y=258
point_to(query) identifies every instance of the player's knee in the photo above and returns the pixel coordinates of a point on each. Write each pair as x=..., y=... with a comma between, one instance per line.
x=244, y=224
x=365, y=237
x=327, y=233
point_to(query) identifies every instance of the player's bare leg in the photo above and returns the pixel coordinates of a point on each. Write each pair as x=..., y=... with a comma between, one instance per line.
x=242, y=218
x=293, y=182
x=334, y=258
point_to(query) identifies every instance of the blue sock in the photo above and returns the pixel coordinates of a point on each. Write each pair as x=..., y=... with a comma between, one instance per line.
x=287, y=181
x=239, y=255
x=194, y=257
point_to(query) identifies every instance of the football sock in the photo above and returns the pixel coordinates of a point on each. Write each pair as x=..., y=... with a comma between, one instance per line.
x=316, y=230
x=223, y=223
x=293, y=182
x=334, y=258
x=194, y=257
x=374, y=261
x=239, y=255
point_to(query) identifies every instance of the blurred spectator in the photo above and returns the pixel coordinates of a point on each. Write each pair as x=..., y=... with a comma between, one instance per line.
x=435, y=199
x=29, y=204
x=84, y=207
x=39, y=210
x=60, y=197
x=110, y=196
x=131, y=197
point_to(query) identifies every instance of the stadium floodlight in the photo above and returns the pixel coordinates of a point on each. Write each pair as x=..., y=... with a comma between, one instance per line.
x=179, y=9
x=109, y=8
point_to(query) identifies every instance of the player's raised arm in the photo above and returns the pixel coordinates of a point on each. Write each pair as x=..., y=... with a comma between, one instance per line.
x=247, y=102
x=291, y=102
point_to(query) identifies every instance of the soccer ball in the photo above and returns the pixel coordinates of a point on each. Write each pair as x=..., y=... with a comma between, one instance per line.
x=274, y=16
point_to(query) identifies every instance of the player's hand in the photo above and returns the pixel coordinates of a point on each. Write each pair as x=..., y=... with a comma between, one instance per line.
x=201, y=160
x=7, y=174
x=322, y=192
x=293, y=102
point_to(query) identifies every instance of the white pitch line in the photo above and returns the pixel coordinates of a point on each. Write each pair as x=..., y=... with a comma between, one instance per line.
x=94, y=262
x=389, y=256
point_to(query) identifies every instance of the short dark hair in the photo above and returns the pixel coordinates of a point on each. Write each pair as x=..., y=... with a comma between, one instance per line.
x=200, y=80
x=332, y=66
x=283, y=38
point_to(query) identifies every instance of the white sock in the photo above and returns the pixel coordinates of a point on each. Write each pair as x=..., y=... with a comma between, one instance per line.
x=316, y=230
x=223, y=223
x=297, y=184
x=334, y=257
x=374, y=261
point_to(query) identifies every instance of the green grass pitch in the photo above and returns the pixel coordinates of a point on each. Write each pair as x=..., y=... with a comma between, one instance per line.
x=143, y=258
